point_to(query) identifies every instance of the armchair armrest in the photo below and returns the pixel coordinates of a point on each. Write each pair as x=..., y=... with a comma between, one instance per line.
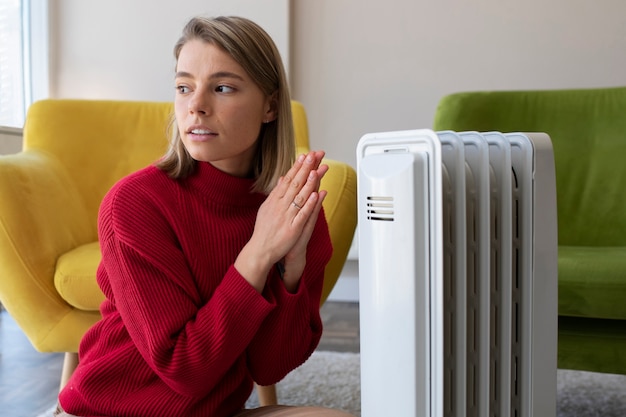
x=41, y=217
x=341, y=216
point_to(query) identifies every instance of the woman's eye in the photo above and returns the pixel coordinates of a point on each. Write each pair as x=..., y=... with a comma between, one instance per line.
x=182, y=89
x=224, y=89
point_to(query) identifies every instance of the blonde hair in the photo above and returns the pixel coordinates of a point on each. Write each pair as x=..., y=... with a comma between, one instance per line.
x=252, y=48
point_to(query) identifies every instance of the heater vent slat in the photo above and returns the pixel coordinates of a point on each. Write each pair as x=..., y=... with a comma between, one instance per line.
x=458, y=293
x=380, y=208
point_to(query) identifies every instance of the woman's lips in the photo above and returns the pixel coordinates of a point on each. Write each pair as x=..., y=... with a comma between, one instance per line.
x=201, y=134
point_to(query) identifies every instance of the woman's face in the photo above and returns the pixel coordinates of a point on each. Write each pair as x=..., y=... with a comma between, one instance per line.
x=219, y=109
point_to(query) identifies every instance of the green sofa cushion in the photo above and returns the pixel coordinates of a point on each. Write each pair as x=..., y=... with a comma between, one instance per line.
x=592, y=281
x=595, y=345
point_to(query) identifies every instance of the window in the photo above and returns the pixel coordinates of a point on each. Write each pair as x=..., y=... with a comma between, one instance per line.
x=23, y=57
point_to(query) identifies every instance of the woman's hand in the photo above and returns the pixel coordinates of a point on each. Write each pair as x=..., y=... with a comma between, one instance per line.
x=284, y=224
x=295, y=260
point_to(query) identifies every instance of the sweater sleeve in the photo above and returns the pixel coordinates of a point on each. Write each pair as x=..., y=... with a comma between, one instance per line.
x=291, y=332
x=189, y=343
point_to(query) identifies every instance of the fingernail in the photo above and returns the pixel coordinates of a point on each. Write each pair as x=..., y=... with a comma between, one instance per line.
x=309, y=159
x=301, y=158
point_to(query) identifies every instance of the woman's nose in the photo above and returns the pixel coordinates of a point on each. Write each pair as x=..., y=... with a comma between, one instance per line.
x=199, y=103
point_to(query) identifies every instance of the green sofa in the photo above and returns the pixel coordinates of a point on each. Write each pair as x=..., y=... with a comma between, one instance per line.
x=588, y=131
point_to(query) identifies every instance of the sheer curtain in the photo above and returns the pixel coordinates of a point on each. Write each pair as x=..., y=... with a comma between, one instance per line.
x=23, y=58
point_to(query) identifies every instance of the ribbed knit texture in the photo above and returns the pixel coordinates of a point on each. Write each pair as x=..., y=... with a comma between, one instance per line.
x=182, y=333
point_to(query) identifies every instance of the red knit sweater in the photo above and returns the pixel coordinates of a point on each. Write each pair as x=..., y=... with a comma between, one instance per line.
x=182, y=333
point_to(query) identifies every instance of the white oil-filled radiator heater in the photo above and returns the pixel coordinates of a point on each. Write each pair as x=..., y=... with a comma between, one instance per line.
x=457, y=274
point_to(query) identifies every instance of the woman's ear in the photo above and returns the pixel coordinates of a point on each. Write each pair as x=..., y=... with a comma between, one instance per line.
x=271, y=108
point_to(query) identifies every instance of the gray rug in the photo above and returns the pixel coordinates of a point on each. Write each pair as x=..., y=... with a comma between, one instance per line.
x=328, y=379
x=589, y=394
x=332, y=379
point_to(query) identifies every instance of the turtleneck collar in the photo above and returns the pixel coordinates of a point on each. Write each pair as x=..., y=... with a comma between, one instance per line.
x=224, y=188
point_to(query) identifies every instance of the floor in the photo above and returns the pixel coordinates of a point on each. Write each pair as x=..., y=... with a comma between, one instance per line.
x=29, y=380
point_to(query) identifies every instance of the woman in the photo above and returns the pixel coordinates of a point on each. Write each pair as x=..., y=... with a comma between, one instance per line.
x=213, y=259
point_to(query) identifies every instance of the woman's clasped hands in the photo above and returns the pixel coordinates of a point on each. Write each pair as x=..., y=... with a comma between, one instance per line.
x=284, y=224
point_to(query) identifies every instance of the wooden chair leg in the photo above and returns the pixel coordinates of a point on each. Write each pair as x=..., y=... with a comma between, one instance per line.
x=69, y=365
x=267, y=395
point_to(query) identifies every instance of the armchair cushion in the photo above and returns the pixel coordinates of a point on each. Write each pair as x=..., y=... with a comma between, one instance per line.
x=74, y=277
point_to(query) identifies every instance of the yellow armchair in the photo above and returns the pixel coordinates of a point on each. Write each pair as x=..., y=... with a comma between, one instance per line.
x=74, y=151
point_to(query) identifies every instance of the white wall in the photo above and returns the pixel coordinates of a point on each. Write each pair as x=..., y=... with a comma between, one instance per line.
x=357, y=66
x=363, y=67
x=120, y=49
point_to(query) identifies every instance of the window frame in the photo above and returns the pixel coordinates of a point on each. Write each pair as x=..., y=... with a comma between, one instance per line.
x=35, y=50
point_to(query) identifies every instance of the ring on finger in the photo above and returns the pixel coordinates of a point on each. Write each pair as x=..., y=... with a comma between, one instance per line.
x=296, y=205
